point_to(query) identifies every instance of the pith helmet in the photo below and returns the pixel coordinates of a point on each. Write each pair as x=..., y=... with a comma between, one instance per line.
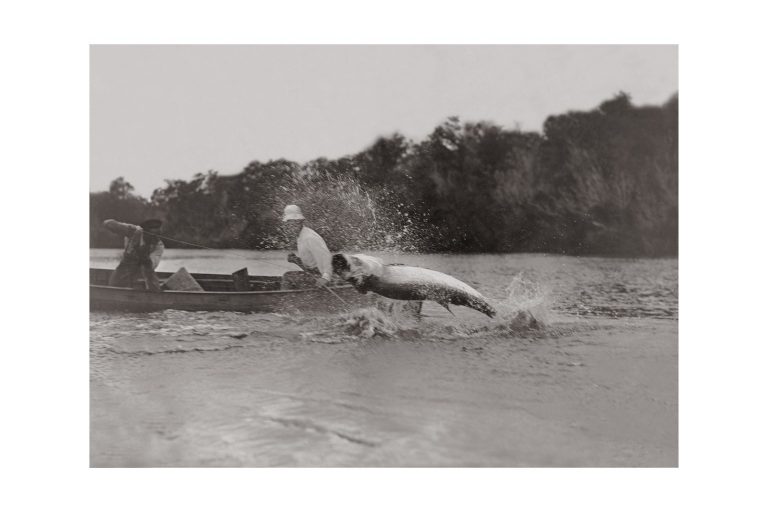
x=292, y=212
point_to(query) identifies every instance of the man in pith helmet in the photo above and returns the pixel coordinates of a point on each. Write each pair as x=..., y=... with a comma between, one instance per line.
x=312, y=255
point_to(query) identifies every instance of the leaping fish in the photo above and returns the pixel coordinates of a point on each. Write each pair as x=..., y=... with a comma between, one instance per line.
x=403, y=282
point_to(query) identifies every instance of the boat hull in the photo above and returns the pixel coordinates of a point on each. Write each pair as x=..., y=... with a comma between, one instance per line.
x=264, y=296
x=108, y=298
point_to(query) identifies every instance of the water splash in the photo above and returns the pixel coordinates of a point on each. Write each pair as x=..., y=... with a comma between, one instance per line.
x=525, y=310
x=351, y=218
x=526, y=301
x=368, y=323
x=388, y=319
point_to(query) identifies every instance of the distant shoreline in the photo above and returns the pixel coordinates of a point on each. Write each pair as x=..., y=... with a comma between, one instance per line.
x=602, y=182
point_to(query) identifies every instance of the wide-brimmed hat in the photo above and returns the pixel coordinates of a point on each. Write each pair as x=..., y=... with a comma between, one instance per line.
x=292, y=212
x=151, y=224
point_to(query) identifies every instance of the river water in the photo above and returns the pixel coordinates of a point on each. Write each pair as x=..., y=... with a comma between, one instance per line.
x=578, y=369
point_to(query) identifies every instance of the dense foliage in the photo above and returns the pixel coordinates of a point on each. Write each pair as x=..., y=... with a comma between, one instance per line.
x=596, y=182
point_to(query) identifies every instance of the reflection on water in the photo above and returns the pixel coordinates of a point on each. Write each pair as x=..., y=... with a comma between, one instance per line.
x=579, y=368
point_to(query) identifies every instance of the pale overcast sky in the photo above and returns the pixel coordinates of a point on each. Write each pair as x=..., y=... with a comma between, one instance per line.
x=171, y=111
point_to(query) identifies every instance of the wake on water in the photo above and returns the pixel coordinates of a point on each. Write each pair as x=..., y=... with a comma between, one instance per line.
x=524, y=313
x=525, y=310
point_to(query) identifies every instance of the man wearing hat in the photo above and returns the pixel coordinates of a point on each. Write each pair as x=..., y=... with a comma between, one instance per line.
x=313, y=256
x=141, y=256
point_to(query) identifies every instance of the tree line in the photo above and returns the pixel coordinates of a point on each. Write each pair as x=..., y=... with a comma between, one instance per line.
x=603, y=181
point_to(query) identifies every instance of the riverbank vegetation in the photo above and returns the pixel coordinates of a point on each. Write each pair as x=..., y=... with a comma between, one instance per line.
x=603, y=181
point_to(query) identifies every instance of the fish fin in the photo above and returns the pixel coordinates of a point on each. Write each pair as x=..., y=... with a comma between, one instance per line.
x=445, y=305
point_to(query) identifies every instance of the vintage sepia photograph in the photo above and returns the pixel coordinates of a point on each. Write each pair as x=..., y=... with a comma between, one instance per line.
x=383, y=256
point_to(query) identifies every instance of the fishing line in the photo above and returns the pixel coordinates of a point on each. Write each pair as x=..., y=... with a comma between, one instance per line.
x=282, y=267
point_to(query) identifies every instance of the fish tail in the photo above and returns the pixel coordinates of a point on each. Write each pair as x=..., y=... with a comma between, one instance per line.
x=483, y=307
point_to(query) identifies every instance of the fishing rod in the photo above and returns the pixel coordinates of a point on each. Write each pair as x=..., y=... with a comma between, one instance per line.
x=337, y=296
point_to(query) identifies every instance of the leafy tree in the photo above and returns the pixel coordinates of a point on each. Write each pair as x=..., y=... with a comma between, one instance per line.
x=120, y=189
x=602, y=181
x=120, y=204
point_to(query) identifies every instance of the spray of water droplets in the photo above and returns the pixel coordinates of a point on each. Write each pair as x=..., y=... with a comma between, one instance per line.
x=351, y=218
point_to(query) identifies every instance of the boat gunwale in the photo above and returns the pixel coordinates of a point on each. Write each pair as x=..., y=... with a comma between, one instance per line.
x=205, y=292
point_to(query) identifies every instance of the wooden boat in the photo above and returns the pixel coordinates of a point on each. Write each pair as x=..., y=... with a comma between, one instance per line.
x=263, y=295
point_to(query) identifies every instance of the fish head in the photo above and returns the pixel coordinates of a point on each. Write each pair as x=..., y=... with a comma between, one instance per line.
x=341, y=266
x=355, y=269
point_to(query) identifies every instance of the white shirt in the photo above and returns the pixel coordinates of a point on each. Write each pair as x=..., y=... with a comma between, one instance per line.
x=311, y=249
